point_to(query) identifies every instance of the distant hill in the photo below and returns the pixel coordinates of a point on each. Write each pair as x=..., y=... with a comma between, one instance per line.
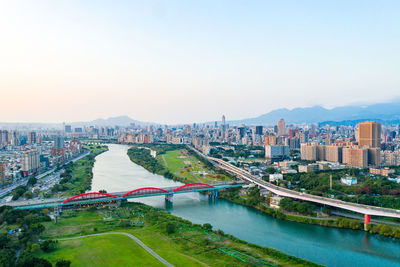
x=388, y=112
x=112, y=121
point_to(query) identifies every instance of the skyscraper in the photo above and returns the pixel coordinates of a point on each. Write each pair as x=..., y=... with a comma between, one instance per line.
x=4, y=137
x=240, y=131
x=30, y=162
x=31, y=137
x=68, y=128
x=223, y=119
x=2, y=173
x=281, y=127
x=259, y=130
x=369, y=134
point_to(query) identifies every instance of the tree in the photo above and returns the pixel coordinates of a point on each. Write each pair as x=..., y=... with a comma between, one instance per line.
x=29, y=261
x=207, y=226
x=28, y=195
x=63, y=263
x=170, y=228
x=35, y=248
x=7, y=258
x=32, y=181
x=48, y=245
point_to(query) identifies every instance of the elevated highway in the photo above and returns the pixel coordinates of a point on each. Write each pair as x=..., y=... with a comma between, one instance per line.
x=280, y=191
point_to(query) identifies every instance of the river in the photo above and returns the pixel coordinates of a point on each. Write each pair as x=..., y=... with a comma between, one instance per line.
x=113, y=171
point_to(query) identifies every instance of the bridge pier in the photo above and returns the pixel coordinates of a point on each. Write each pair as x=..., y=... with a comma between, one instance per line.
x=367, y=220
x=57, y=211
x=213, y=193
x=168, y=197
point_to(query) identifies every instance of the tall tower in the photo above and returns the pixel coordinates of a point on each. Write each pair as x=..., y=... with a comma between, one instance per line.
x=281, y=127
x=223, y=119
x=369, y=134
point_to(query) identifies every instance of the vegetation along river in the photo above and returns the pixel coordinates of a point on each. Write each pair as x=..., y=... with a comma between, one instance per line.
x=114, y=172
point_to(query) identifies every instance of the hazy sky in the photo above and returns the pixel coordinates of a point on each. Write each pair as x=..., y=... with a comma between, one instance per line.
x=185, y=61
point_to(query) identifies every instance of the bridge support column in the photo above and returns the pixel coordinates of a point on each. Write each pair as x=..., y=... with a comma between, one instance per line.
x=169, y=198
x=213, y=193
x=56, y=213
x=367, y=220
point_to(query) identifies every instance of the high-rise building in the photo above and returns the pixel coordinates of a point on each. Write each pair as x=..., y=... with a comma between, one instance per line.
x=68, y=128
x=30, y=162
x=270, y=140
x=31, y=137
x=369, y=134
x=374, y=156
x=241, y=131
x=4, y=139
x=59, y=142
x=308, y=151
x=281, y=127
x=276, y=152
x=14, y=140
x=2, y=173
x=259, y=130
x=223, y=120
x=333, y=153
x=355, y=156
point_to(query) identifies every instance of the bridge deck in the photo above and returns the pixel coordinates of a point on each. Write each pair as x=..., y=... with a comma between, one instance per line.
x=51, y=202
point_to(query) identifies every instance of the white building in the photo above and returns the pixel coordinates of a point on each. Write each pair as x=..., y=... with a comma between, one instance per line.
x=274, y=177
x=348, y=180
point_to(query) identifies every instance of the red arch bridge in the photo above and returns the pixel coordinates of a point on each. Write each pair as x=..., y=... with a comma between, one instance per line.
x=105, y=198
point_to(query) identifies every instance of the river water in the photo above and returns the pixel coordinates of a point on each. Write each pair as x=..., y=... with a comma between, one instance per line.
x=114, y=172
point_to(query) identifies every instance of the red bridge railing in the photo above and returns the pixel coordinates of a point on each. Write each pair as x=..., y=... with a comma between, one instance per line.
x=90, y=196
x=192, y=186
x=146, y=191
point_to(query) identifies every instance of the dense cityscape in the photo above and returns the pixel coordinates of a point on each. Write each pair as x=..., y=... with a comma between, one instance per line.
x=199, y=133
x=368, y=144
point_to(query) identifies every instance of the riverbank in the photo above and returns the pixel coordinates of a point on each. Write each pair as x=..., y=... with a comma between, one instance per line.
x=178, y=241
x=78, y=175
x=162, y=166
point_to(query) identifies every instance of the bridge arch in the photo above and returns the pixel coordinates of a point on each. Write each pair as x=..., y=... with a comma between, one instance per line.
x=192, y=186
x=146, y=191
x=90, y=196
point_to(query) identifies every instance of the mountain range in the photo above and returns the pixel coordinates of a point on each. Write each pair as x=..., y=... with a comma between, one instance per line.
x=112, y=121
x=385, y=112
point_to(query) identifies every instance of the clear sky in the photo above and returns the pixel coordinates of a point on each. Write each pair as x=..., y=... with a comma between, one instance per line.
x=185, y=61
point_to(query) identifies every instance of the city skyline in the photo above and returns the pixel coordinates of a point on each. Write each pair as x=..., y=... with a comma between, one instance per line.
x=185, y=62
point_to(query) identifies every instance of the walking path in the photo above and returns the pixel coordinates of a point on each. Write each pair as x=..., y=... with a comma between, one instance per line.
x=165, y=162
x=143, y=245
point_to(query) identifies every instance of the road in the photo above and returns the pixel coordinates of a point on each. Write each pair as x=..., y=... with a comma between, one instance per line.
x=134, y=238
x=24, y=181
x=280, y=191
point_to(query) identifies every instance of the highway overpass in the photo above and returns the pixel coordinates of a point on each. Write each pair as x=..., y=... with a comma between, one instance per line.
x=280, y=191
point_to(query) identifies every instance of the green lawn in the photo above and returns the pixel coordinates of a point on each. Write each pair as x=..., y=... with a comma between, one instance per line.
x=188, y=245
x=107, y=250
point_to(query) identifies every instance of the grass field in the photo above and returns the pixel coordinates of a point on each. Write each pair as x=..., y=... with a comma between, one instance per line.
x=101, y=251
x=183, y=165
x=186, y=245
